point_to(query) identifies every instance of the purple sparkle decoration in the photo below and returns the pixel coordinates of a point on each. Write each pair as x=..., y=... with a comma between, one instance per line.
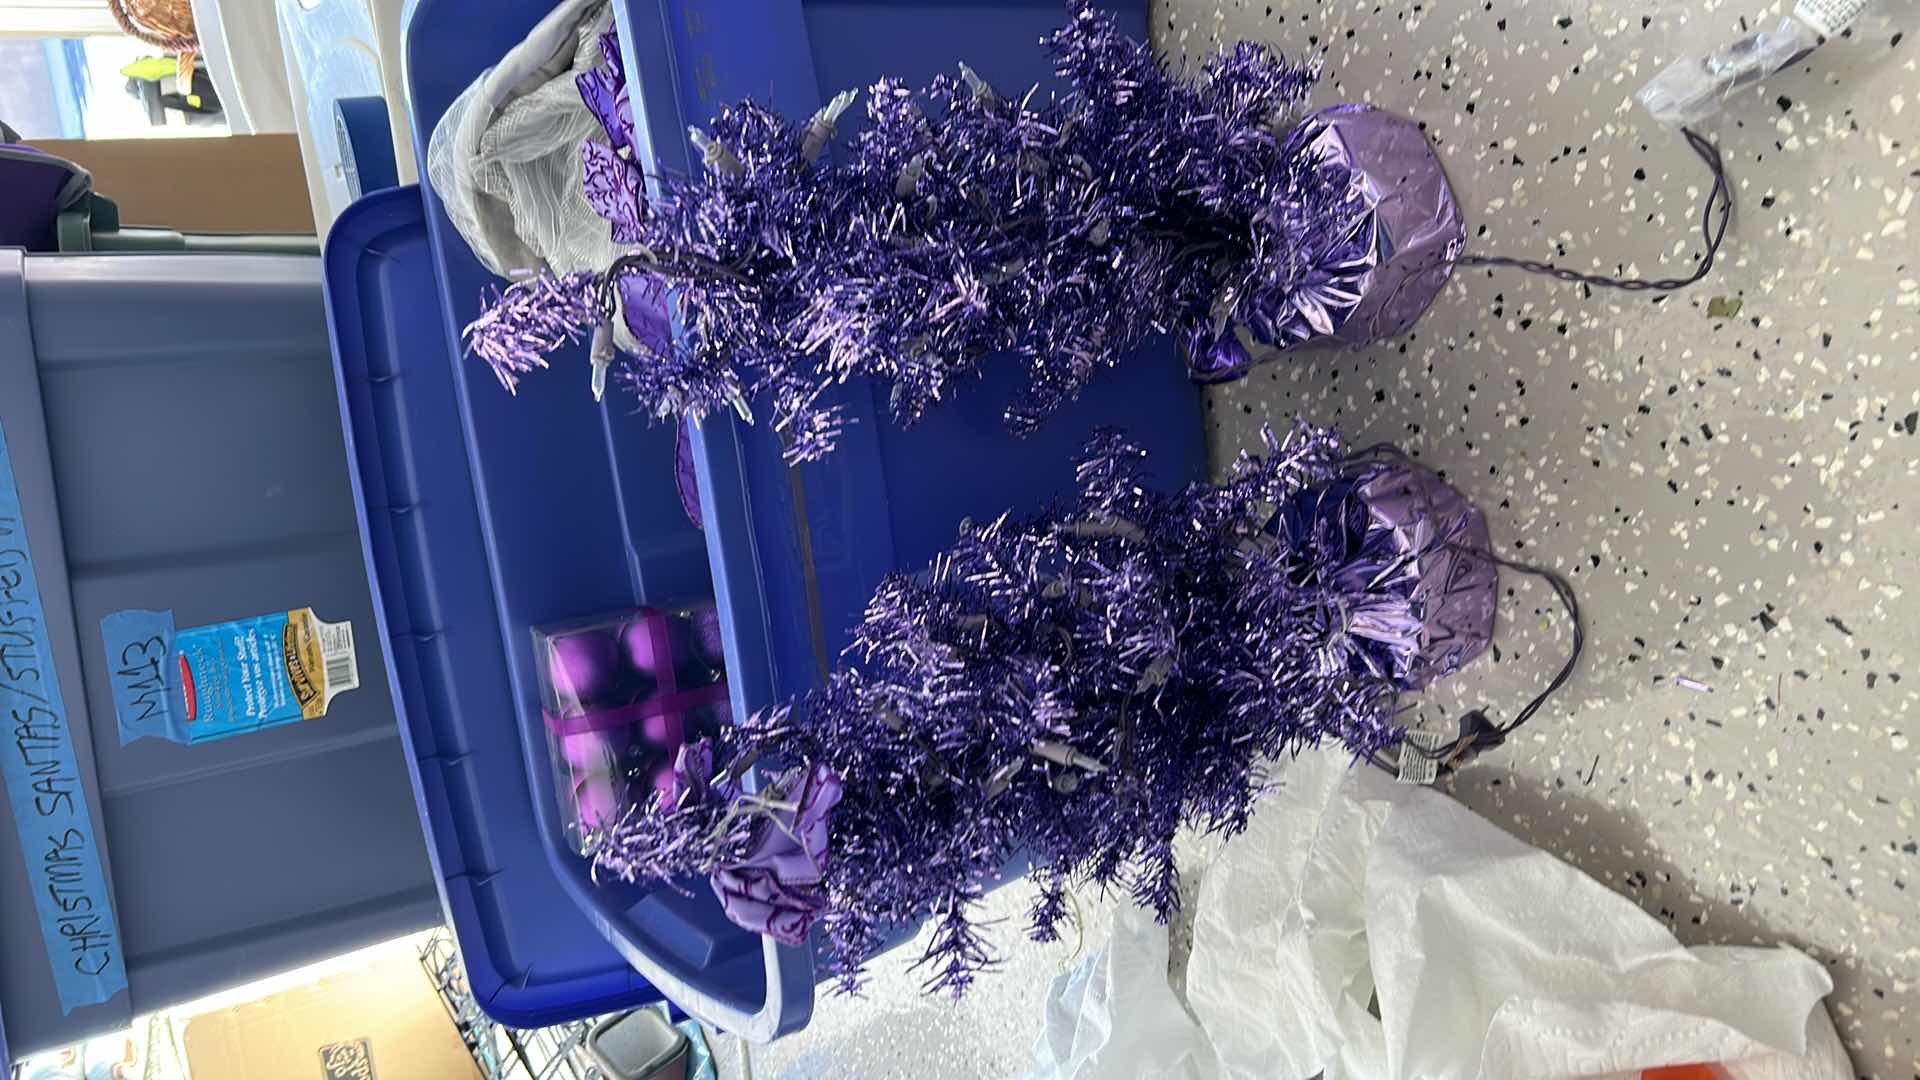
x=775, y=887
x=1075, y=688
x=965, y=226
x=531, y=318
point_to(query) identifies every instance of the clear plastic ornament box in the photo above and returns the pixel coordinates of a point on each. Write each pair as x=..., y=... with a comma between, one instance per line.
x=487, y=514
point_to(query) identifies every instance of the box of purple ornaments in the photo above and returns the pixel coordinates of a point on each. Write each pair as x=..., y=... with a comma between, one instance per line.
x=620, y=694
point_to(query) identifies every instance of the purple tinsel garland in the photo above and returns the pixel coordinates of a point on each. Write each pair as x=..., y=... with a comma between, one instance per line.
x=963, y=224
x=1073, y=689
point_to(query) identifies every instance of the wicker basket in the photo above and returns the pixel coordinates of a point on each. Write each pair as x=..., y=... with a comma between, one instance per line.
x=164, y=24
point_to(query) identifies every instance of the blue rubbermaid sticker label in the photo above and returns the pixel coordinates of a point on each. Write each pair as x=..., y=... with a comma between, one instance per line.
x=233, y=678
x=43, y=781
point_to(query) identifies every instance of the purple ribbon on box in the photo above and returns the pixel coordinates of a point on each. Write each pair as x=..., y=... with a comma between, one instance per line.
x=673, y=703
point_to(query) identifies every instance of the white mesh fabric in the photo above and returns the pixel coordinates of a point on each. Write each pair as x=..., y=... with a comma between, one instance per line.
x=505, y=159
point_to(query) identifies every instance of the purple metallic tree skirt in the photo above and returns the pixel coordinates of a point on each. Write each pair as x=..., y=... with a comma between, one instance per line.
x=1376, y=276
x=1454, y=586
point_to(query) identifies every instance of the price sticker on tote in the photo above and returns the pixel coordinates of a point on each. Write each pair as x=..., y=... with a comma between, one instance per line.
x=233, y=678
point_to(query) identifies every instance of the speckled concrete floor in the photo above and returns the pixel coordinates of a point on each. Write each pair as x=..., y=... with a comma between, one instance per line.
x=1733, y=495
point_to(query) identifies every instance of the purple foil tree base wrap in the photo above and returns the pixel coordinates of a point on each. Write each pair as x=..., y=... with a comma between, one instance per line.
x=1377, y=275
x=1442, y=538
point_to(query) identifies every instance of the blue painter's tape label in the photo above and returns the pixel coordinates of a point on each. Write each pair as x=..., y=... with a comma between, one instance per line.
x=43, y=781
x=233, y=678
x=140, y=666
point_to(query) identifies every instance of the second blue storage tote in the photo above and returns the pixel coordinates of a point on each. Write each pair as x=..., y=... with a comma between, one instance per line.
x=489, y=514
x=170, y=435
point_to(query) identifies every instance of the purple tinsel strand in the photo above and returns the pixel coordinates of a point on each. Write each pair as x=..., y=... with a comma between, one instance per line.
x=964, y=224
x=1077, y=687
x=531, y=318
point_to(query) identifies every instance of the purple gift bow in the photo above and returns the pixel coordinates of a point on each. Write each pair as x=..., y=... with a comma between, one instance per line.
x=774, y=884
x=694, y=780
x=775, y=888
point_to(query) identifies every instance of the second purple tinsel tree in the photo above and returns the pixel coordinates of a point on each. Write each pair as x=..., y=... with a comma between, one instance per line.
x=961, y=224
x=1073, y=690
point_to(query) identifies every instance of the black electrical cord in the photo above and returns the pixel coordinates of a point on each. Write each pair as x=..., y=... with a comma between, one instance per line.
x=1710, y=231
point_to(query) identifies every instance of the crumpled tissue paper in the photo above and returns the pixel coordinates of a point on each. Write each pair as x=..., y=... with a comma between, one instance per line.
x=1115, y=1014
x=1489, y=960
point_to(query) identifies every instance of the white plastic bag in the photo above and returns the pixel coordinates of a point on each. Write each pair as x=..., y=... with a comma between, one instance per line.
x=1484, y=959
x=1114, y=1017
x=1279, y=972
x=505, y=159
x=1490, y=959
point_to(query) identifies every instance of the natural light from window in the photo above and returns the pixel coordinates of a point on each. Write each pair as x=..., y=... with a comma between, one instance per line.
x=99, y=88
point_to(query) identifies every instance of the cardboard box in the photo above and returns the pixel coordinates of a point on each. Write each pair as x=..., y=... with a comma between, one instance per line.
x=212, y=184
x=377, y=1021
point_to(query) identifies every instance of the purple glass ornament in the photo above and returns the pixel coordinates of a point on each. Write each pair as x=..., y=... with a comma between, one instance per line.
x=645, y=646
x=584, y=668
x=594, y=751
x=708, y=642
x=600, y=767
x=599, y=799
x=1455, y=586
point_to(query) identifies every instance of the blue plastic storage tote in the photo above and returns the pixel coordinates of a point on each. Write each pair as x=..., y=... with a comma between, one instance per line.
x=170, y=425
x=563, y=508
x=533, y=956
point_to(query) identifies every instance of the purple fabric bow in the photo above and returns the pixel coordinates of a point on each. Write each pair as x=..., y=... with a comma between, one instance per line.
x=687, y=484
x=613, y=180
x=692, y=782
x=613, y=188
x=776, y=889
x=604, y=90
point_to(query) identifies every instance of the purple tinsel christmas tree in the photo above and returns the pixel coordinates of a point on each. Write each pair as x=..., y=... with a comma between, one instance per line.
x=1074, y=689
x=962, y=224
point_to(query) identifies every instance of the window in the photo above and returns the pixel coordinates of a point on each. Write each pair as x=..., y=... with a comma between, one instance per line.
x=95, y=87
